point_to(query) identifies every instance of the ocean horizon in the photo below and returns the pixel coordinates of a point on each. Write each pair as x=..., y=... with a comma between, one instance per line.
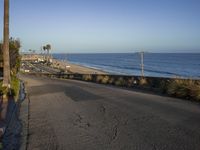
x=186, y=65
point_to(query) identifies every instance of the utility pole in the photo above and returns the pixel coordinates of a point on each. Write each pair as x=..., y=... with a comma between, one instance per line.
x=142, y=63
x=41, y=49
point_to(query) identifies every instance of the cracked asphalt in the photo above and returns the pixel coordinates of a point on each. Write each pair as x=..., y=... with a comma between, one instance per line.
x=75, y=115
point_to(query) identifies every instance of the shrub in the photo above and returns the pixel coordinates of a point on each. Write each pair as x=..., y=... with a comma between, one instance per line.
x=154, y=82
x=163, y=86
x=15, y=85
x=178, y=88
x=143, y=81
x=188, y=89
x=99, y=78
x=120, y=82
x=87, y=77
x=105, y=80
x=71, y=76
x=130, y=82
x=195, y=91
x=111, y=80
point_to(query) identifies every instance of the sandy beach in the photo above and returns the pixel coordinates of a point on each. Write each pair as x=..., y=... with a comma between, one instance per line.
x=76, y=68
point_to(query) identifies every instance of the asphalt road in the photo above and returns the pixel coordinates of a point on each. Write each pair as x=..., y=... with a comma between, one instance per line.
x=74, y=115
x=38, y=68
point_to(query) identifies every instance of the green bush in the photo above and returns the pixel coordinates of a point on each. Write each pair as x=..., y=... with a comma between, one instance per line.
x=120, y=82
x=163, y=86
x=15, y=86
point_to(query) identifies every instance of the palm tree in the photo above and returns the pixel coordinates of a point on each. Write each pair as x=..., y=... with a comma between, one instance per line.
x=6, y=61
x=6, y=57
x=48, y=48
x=44, y=48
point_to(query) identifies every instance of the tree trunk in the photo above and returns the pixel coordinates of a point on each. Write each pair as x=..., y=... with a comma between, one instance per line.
x=47, y=55
x=6, y=57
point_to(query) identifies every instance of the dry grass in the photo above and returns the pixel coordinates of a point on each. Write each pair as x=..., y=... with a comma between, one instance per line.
x=87, y=77
x=99, y=78
x=188, y=89
x=105, y=80
x=143, y=81
x=195, y=92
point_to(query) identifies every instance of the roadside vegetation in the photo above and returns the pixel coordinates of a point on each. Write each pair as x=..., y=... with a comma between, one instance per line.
x=176, y=87
x=15, y=86
x=14, y=46
x=188, y=89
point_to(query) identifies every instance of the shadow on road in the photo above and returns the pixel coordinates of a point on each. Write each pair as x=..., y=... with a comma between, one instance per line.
x=74, y=92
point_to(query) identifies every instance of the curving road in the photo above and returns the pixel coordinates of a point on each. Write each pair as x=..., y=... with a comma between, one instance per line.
x=74, y=115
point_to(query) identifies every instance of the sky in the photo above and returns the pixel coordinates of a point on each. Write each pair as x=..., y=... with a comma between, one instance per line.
x=105, y=26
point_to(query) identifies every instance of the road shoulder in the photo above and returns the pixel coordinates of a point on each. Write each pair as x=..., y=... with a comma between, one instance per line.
x=24, y=116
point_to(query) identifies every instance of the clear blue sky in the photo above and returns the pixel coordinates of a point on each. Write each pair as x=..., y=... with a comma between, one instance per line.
x=106, y=25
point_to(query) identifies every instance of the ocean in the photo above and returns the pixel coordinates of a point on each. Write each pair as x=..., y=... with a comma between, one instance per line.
x=155, y=64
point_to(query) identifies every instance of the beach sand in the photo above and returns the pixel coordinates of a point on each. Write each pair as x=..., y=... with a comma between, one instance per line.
x=74, y=68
